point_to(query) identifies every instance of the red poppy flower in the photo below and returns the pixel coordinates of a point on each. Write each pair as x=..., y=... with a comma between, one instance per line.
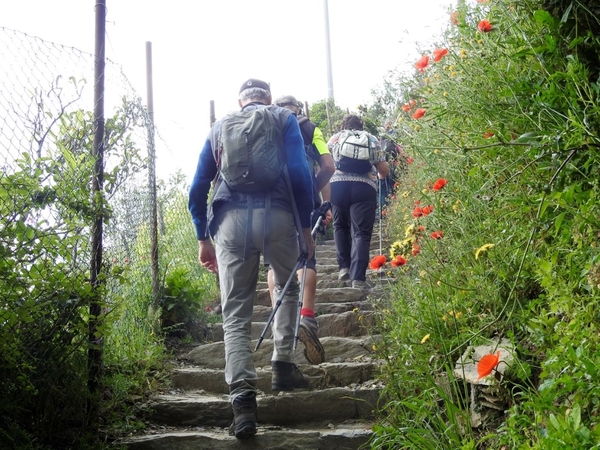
x=421, y=228
x=419, y=112
x=412, y=103
x=422, y=63
x=437, y=235
x=484, y=26
x=454, y=17
x=427, y=210
x=439, y=53
x=488, y=134
x=377, y=262
x=439, y=184
x=207, y=309
x=487, y=364
x=410, y=161
x=417, y=212
x=398, y=261
x=406, y=107
x=416, y=249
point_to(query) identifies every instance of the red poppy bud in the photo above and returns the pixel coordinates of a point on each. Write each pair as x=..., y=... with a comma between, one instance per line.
x=422, y=63
x=419, y=112
x=484, y=26
x=439, y=184
x=439, y=53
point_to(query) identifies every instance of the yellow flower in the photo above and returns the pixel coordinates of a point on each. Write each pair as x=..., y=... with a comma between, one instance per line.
x=396, y=249
x=374, y=348
x=445, y=93
x=355, y=310
x=422, y=274
x=444, y=317
x=458, y=315
x=425, y=338
x=408, y=231
x=436, y=151
x=483, y=249
x=463, y=53
x=425, y=191
x=405, y=194
x=453, y=73
x=456, y=206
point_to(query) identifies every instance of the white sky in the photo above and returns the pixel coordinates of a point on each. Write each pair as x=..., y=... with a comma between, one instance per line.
x=203, y=50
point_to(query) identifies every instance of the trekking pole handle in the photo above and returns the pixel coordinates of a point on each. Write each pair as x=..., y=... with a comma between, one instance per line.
x=320, y=212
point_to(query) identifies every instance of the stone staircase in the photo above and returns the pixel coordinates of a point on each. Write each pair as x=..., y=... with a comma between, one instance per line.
x=337, y=412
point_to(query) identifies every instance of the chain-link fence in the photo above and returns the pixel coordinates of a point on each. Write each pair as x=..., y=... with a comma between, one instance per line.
x=47, y=214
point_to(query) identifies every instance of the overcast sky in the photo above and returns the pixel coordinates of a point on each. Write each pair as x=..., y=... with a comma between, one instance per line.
x=204, y=50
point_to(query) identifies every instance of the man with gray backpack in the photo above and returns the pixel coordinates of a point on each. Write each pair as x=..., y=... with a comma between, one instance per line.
x=261, y=204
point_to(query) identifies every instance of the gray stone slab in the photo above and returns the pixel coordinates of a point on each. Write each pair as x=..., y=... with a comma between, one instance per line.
x=287, y=408
x=322, y=376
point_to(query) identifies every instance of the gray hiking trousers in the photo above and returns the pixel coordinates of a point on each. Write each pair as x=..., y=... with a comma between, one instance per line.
x=237, y=281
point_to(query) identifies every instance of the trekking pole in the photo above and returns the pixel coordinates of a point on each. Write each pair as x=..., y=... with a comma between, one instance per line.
x=300, y=302
x=380, y=211
x=301, y=259
x=320, y=215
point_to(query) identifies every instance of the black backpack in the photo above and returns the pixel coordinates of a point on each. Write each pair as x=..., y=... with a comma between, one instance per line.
x=307, y=128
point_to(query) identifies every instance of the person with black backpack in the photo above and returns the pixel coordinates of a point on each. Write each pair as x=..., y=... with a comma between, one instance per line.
x=321, y=164
x=359, y=161
x=261, y=204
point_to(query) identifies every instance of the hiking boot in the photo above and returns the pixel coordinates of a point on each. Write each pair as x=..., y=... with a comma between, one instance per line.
x=287, y=377
x=363, y=285
x=244, y=416
x=344, y=274
x=308, y=334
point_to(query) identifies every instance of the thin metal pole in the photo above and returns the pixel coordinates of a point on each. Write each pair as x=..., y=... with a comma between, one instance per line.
x=328, y=53
x=94, y=339
x=152, y=180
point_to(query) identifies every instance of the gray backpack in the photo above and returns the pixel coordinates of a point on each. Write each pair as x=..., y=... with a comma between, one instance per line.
x=353, y=152
x=249, y=157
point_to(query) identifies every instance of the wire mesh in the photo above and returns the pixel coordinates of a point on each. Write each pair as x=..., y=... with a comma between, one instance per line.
x=46, y=217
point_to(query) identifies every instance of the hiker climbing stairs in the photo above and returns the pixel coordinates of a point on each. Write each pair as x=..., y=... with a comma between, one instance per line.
x=336, y=412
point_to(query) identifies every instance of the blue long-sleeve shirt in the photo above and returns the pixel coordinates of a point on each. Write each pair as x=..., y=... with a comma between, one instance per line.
x=300, y=178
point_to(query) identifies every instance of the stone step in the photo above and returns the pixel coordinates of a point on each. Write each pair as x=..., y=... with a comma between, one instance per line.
x=323, y=282
x=337, y=349
x=287, y=408
x=330, y=295
x=325, y=375
x=339, y=437
x=262, y=313
x=348, y=323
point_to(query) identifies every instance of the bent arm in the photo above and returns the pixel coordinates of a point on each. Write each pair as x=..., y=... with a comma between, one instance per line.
x=383, y=169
